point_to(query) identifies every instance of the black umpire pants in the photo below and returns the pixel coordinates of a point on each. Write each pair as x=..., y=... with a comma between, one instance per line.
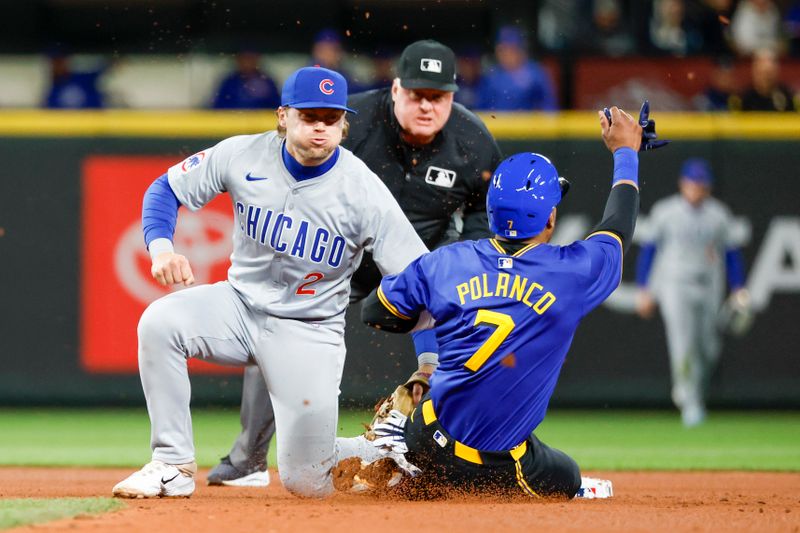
x=531, y=468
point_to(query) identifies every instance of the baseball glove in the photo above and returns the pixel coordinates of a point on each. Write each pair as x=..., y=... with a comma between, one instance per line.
x=401, y=400
x=736, y=316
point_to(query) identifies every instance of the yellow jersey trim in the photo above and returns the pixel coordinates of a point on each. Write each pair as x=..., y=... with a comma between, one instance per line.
x=497, y=246
x=609, y=233
x=388, y=305
x=529, y=247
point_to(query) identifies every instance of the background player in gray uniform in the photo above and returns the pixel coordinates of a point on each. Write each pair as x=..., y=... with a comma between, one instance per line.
x=693, y=248
x=435, y=156
x=305, y=211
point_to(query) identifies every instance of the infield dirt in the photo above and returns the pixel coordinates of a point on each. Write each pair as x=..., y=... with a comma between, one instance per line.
x=643, y=501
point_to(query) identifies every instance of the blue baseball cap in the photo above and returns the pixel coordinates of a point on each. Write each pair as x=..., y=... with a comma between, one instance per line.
x=698, y=170
x=328, y=35
x=315, y=87
x=510, y=35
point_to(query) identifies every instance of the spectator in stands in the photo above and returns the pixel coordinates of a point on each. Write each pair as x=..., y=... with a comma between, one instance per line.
x=712, y=19
x=70, y=89
x=469, y=71
x=610, y=36
x=247, y=87
x=721, y=93
x=756, y=26
x=767, y=93
x=791, y=24
x=562, y=24
x=382, y=69
x=671, y=32
x=515, y=83
x=327, y=51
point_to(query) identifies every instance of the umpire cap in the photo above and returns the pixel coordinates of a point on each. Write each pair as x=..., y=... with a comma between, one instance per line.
x=427, y=64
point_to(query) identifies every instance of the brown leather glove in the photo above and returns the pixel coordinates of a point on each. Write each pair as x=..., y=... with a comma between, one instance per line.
x=402, y=399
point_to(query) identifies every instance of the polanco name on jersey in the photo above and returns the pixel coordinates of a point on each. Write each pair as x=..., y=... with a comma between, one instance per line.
x=266, y=228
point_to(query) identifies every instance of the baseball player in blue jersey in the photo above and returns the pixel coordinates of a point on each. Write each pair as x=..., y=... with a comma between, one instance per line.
x=505, y=311
x=305, y=211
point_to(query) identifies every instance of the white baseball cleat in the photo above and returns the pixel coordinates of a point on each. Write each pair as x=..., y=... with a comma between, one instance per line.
x=156, y=480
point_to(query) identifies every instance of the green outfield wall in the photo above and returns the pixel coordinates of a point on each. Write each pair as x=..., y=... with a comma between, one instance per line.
x=71, y=283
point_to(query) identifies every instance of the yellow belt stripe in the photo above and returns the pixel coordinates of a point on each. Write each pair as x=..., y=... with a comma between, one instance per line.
x=519, y=451
x=428, y=416
x=468, y=454
x=388, y=305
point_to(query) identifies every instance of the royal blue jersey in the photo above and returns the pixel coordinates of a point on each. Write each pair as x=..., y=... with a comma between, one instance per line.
x=504, y=323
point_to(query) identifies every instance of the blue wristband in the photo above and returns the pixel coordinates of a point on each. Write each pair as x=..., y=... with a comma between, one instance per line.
x=626, y=166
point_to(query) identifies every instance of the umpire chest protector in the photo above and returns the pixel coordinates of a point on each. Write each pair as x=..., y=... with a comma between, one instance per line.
x=431, y=181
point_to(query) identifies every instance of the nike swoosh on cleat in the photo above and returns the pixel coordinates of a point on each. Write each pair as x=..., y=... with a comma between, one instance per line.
x=253, y=178
x=165, y=481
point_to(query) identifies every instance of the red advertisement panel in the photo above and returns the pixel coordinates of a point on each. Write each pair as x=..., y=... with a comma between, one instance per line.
x=116, y=285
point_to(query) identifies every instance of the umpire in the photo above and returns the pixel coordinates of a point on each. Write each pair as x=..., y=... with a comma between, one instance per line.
x=436, y=157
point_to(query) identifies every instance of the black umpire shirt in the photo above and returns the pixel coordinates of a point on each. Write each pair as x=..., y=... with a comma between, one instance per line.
x=432, y=181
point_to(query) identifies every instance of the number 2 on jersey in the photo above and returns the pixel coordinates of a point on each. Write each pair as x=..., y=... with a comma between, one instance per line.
x=312, y=278
x=504, y=325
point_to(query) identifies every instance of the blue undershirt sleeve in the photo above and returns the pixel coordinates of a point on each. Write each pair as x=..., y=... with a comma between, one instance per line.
x=734, y=266
x=159, y=211
x=426, y=346
x=645, y=263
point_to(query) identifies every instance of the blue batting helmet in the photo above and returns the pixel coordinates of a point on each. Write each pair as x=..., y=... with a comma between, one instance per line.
x=524, y=190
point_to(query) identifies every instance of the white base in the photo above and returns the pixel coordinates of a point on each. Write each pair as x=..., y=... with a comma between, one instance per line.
x=593, y=488
x=256, y=479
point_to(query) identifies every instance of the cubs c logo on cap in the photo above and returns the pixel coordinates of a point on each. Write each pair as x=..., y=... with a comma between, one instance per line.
x=326, y=86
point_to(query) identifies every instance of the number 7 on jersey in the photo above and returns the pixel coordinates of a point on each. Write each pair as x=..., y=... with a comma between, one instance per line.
x=504, y=323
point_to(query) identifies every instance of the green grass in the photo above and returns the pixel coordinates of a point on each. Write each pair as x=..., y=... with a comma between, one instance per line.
x=25, y=511
x=598, y=440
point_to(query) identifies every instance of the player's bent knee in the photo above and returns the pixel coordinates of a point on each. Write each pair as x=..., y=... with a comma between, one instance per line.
x=159, y=324
x=152, y=323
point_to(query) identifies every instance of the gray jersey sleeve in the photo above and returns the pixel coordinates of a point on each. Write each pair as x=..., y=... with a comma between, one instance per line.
x=727, y=223
x=387, y=233
x=658, y=221
x=200, y=177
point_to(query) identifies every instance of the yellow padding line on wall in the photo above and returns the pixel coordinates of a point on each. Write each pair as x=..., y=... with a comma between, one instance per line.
x=508, y=126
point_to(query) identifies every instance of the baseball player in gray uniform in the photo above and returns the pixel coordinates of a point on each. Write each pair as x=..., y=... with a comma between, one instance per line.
x=305, y=211
x=693, y=249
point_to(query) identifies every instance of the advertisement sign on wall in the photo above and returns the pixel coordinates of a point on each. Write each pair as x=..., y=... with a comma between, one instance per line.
x=116, y=285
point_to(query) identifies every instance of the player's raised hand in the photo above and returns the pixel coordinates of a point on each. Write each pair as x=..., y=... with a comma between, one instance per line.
x=621, y=130
x=170, y=268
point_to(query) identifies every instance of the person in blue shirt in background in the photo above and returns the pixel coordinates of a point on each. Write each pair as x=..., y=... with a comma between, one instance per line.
x=469, y=76
x=248, y=87
x=505, y=311
x=70, y=89
x=515, y=83
x=328, y=51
